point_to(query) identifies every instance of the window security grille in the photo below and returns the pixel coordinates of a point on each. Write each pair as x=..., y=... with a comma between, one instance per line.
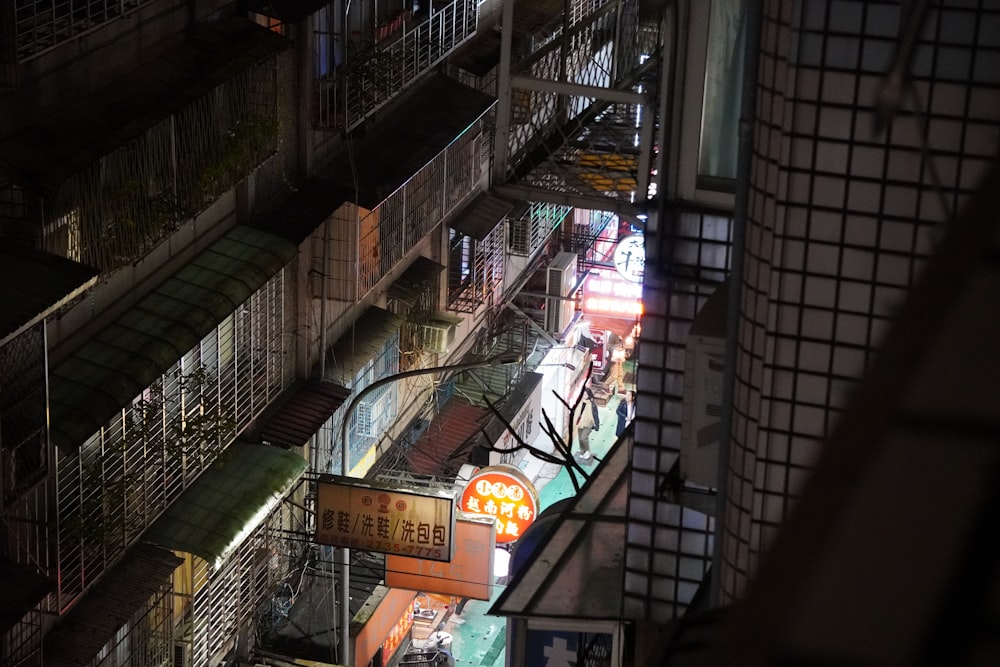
x=39, y=26
x=372, y=416
x=134, y=467
x=520, y=236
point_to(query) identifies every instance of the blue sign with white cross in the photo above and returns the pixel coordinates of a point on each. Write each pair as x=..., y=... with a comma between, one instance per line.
x=564, y=648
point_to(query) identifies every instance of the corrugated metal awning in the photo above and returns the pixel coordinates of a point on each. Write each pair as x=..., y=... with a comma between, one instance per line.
x=481, y=216
x=22, y=590
x=577, y=572
x=61, y=142
x=123, y=591
x=229, y=500
x=416, y=280
x=33, y=284
x=362, y=343
x=116, y=365
x=302, y=413
x=457, y=422
x=391, y=151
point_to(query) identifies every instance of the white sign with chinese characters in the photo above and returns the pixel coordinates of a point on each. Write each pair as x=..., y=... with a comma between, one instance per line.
x=630, y=257
x=383, y=518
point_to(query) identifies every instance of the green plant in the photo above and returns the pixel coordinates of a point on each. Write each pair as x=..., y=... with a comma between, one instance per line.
x=243, y=148
x=186, y=423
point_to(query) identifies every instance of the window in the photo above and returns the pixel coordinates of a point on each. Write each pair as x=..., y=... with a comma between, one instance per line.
x=374, y=415
x=723, y=89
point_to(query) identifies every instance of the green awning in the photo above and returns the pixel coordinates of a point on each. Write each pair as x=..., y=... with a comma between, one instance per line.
x=228, y=501
x=117, y=364
x=362, y=343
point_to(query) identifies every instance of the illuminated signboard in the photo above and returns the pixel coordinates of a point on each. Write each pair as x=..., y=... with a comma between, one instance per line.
x=468, y=575
x=383, y=621
x=630, y=257
x=380, y=517
x=607, y=293
x=399, y=632
x=505, y=494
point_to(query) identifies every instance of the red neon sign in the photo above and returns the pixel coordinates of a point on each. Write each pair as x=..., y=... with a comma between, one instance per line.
x=504, y=493
x=608, y=293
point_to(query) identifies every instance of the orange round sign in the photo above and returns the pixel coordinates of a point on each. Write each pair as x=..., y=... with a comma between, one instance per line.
x=504, y=493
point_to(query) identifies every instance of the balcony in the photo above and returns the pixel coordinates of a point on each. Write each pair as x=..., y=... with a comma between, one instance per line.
x=402, y=178
x=373, y=74
x=105, y=178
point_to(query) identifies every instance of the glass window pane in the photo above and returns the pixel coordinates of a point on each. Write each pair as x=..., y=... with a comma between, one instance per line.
x=723, y=86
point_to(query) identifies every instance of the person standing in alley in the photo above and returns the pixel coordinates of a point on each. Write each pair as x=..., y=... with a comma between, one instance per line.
x=625, y=411
x=616, y=374
x=587, y=420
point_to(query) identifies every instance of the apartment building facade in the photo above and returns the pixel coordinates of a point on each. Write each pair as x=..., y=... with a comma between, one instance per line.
x=220, y=221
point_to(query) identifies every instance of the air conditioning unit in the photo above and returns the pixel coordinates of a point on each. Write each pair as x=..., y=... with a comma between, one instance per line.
x=559, y=281
x=436, y=337
x=438, y=334
x=701, y=415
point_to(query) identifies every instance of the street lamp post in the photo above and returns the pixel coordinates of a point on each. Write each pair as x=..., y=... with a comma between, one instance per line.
x=502, y=359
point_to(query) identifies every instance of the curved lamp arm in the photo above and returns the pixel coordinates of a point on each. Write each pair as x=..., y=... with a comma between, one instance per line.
x=502, y=359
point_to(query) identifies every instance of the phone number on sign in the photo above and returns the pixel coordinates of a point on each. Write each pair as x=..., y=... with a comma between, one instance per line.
x=403, y=549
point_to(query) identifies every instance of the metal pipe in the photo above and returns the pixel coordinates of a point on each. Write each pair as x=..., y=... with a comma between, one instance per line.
x=501, y=134
x=501, y=359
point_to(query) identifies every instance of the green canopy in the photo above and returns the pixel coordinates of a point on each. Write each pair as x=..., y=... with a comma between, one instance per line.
x=228, y=501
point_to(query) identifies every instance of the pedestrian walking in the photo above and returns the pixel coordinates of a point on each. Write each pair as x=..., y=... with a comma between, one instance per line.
x=616, y=374
x=587, y=420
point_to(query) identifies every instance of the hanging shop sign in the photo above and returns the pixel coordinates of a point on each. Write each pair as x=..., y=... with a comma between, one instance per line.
x=384, y=518
x=606, y=293
x=468, y=575
x=505, y=494
x=384, y=621
x=630, y=257
x=397, y=634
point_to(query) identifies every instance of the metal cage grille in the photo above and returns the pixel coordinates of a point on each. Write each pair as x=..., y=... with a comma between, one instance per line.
x=39, y=26
x=367, y=247
x=124, y=203
x=23, y=438
x=129, y=472
x=349, y=93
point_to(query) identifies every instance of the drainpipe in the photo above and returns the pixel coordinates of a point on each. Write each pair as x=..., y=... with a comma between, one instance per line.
x=501, y=134
x=741, y=200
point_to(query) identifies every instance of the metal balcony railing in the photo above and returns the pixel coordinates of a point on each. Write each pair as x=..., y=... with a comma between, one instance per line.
x=374, y=75
x=40, y=26
x=381, y=237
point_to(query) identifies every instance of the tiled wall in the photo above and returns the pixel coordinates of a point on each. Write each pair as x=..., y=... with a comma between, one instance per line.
x=841, y=218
